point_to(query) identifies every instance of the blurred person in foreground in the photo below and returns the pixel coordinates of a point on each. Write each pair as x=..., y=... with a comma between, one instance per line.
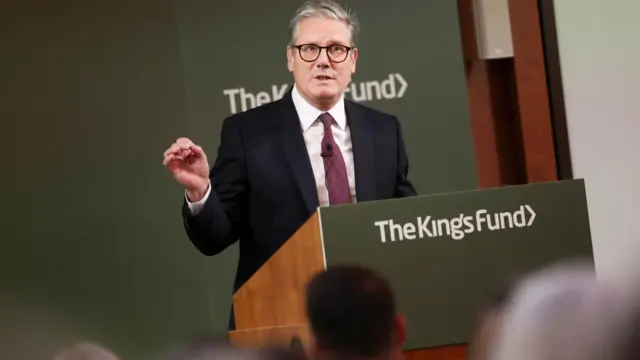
x=352, y=314
x=563, y=312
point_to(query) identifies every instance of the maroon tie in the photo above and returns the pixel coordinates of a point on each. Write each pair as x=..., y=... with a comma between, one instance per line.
x=334, y=167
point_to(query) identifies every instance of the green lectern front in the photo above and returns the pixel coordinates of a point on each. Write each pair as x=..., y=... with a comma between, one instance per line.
x=444, y=255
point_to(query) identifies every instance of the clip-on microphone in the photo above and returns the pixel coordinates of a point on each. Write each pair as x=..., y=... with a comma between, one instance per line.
x=329, y=151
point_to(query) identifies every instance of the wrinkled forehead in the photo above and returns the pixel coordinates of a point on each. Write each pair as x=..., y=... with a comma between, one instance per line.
x=321, y=31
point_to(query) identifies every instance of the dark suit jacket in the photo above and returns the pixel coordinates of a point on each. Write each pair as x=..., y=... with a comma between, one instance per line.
x=263, y=184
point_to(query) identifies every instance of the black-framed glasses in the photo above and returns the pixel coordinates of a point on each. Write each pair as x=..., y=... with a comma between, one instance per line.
x=311, y=52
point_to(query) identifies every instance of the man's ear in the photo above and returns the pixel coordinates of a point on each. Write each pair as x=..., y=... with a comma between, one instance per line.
x=354, y=59
x=290, y=58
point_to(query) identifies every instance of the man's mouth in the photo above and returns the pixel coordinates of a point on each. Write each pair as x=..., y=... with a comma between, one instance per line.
x=323, y=77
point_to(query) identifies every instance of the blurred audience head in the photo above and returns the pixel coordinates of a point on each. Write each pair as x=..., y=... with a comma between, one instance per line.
x=352, y=315
x=86, y=351
x=562, y=312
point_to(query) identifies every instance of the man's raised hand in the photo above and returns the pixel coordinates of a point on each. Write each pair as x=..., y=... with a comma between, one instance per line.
x=188, y=164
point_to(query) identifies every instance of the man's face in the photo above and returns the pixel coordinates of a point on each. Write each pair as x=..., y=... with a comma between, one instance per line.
x=322, y=81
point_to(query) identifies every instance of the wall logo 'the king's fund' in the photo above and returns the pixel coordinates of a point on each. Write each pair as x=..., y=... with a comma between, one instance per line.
x=457, y=227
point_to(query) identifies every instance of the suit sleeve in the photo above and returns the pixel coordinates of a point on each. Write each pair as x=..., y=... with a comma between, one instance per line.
x=224, y=215
x=404, y=188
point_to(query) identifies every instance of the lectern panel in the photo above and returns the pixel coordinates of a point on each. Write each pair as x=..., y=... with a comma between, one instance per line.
x=274, y=295
x=446, y=254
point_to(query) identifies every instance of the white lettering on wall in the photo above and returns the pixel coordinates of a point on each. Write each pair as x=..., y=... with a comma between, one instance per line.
x=394, y=86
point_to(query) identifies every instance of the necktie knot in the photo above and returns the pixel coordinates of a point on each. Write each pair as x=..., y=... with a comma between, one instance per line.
x=327, y=121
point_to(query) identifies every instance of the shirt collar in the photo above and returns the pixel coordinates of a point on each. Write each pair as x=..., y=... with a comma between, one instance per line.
x=308, y=114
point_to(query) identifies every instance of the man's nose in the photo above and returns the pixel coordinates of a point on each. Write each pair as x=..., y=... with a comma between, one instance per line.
x=323, y=60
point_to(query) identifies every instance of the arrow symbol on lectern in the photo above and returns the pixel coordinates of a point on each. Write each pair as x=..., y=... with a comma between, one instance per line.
x=532, y=213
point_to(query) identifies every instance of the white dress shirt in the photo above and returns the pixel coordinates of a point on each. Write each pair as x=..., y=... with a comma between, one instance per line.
x=313, y=132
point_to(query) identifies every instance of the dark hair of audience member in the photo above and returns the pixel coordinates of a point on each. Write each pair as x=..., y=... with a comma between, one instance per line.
x=351, y=311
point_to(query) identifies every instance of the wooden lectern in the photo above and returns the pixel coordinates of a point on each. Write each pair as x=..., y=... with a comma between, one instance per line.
x=269, y=308
x=443, y=254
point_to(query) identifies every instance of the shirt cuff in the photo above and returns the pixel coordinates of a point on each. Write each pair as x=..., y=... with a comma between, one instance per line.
x=195, y=207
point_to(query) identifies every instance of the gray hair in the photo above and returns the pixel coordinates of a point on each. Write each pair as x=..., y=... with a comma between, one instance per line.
x=562, y=312
x=326, y=9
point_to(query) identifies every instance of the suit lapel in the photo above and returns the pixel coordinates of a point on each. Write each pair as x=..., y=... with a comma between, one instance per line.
x=363, y=153
x=295, y=151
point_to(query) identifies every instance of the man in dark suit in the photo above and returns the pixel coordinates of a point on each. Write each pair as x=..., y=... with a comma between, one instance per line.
x=278, y=162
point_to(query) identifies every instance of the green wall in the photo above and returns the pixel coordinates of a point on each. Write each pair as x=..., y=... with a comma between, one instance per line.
x=92, y=232
x=93, y=93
